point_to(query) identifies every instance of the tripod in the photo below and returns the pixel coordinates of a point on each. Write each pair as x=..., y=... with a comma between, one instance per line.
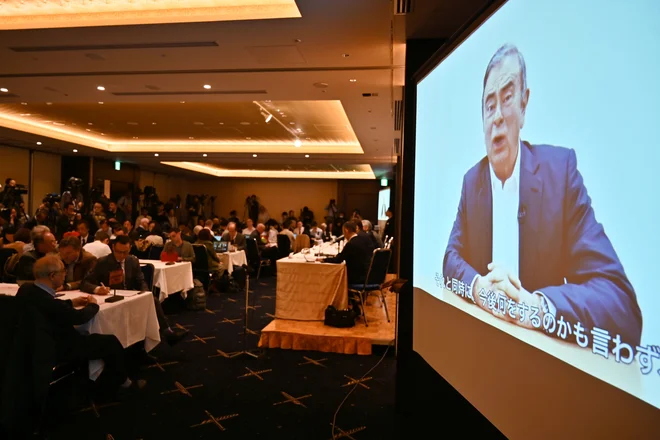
x=246, y=330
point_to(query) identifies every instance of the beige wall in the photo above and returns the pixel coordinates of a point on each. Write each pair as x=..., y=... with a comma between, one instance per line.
x=277, y=195
x=14, y=163
x=46, y=176
x=166, y=186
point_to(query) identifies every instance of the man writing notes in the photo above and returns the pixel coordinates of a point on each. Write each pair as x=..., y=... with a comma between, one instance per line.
x=525, y=226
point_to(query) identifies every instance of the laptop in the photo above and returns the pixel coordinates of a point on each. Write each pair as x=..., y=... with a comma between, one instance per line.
x=221, y=246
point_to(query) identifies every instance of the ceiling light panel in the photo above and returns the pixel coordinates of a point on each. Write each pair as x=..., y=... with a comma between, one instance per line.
x=21, y=14
x=363, y=172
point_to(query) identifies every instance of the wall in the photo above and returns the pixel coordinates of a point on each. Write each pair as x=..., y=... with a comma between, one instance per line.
x=46, y=176
x=167, y=186
x=277, y=195
x=359, y=194
x=14, y=163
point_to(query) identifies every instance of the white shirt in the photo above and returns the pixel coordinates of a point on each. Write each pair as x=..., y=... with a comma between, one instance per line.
x=248, y=231
x=98, y=249
x=506, y=233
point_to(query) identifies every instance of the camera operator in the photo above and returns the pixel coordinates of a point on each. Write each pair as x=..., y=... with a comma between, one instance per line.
x=39, y=219
x=66, y=221
x=11, y=196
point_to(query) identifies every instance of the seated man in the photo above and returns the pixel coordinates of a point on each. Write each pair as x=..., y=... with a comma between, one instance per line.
x=77, y=262
x=232, y=236
x=44, y=243
x=71, y=346
x=126, y=267
x=183, y=248
x=356, y=254
x=100, y=247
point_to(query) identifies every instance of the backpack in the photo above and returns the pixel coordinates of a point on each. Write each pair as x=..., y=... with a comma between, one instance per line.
x=10, y=266
x=196, y=299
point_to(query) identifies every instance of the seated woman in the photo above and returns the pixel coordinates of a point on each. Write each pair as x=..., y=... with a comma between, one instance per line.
x=169, y=253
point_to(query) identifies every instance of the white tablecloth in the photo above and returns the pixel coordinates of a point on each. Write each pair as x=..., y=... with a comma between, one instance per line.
x=231, y=259
x=131, y=320
x=305, y=287
x=177, y=277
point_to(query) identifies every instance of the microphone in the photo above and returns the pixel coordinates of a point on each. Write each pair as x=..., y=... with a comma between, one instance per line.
x=522, y=213
x=336, y=239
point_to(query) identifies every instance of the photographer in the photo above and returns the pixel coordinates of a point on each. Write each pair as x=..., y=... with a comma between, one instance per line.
x=11, y=196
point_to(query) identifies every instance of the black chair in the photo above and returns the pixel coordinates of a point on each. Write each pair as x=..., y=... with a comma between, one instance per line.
x=141, y=255
x=5, y=254
x=376, y=275
x=148, y=271
x=283, y=246
x=255, y=260
x=154, y=252
x=200, y=267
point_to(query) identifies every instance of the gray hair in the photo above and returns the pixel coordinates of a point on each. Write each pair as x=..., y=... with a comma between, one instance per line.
x=366, y=224
x=501, y=53
x=38, y=232
x=37, y=235
x=44, y=266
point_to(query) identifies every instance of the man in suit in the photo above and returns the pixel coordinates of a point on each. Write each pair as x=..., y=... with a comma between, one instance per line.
x=124, y=271
x=44, y=243
x=356, y=253
x=77, y=262
x=66, y=221
x=71, y=346
x=525, y=227
x=232, y=236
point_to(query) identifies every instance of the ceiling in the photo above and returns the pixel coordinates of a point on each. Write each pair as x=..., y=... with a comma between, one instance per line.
x=335, y=74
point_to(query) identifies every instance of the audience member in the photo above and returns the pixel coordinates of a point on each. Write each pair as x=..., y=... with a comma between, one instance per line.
x=183, y=248
x=100, y=247
x=44, y=243
x=375, y=238
x=356, y=254
x=232, y=236
x=77, y=262
x=83, y=230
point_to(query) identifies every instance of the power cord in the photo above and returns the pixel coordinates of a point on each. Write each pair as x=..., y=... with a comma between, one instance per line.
x=357, y=382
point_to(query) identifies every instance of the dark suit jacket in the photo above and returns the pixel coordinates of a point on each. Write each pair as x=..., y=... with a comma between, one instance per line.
x=133, y=277
x=25, y=265
x=64, y=225
x=238, y=241
x=60, y=314
x=357, y=255
x=81, y=268
x=559, y=239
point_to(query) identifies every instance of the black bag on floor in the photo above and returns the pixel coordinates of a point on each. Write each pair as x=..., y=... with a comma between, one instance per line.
x=196, y=299
x=339, y=318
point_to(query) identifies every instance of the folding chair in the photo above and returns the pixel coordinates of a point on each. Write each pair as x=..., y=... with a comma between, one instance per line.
x=200, y=267
x=148, y=271
x=154, y=252
x=380, y=262
x=254, y=256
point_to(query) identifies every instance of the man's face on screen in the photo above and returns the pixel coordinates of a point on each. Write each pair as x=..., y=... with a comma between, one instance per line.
x=503, y=115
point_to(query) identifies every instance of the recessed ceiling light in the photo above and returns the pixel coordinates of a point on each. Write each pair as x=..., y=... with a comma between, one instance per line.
x=191, y=138
x=248, y=138
x=156, y=154
x=245, y=123
x=309, y=139
x=198, y=123
x=353, y=80
x=283, y=115
x=135, y=137
x=89, y=123
x=75, y=151
x=268, y=100
x=207, y=86
x=38, y=143
x=297, y=143
x=4, y=90
x=153, y=123
x=102, y=134
x=204, y=155
x=345, y=55
x=132, y=123
x=182, y=102
x=221, y=123
x=49, y=103
x=101, y=88
x=88, y=129
x=23, y=103
x=297, y=40
x=254, y=155
x=26, y=114
x=306, y=155
x=292, y=123
x=100, y=102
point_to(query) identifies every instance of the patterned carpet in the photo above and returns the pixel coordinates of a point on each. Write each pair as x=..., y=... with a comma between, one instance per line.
x=196, y=392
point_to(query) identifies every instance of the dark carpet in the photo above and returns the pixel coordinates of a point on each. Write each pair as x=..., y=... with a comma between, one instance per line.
x=195, y=392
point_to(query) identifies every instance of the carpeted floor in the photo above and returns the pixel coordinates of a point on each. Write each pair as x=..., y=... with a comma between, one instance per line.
x=195, y=392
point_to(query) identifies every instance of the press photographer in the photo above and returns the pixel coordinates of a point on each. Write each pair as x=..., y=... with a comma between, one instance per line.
x=12, y=194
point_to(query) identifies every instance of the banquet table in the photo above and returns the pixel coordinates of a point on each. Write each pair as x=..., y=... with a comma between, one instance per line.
x=231, y=259
x=306, y=287
x=172, y=278
x=131, y=320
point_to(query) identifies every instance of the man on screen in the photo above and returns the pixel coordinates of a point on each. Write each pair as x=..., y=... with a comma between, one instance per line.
x=525, y=227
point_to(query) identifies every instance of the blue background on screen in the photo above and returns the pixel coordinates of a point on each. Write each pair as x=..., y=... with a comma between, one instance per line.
x=593, y=70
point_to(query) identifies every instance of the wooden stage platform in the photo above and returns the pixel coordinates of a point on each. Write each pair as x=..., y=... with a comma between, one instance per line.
x=313, y=335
